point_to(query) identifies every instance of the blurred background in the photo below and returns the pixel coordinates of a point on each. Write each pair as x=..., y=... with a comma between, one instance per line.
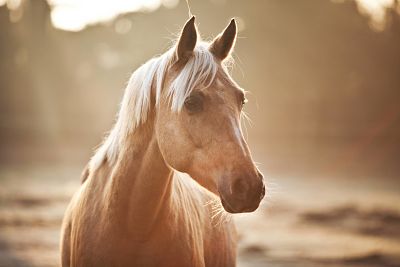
x=324, y=100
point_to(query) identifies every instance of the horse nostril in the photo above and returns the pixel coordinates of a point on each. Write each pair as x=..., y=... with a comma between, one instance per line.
x=262, y=192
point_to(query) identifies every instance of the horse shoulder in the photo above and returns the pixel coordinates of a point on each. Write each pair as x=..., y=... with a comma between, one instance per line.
x=67, y=229
x=65, y=244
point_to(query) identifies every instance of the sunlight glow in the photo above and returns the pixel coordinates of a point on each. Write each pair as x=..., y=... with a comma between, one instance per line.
x=13, y=4
x=75, y=15
x=376, y=10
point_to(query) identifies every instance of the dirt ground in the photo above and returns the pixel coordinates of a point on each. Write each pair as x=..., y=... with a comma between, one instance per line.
x=302, y=222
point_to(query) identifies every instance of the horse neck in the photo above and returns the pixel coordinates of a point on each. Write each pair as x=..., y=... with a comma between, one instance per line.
x=140, y=185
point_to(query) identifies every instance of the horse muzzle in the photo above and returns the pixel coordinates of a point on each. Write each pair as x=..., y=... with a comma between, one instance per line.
x=243, y=194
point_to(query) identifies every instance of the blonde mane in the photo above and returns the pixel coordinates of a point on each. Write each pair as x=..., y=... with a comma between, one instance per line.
x=200, y=69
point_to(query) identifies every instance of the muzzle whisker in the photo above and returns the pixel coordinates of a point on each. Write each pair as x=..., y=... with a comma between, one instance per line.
x=215, y=217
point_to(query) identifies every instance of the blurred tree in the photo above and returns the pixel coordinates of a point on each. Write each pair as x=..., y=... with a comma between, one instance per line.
x=325, y=87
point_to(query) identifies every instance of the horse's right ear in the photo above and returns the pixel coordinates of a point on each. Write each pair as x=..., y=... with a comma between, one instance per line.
x=187, y=40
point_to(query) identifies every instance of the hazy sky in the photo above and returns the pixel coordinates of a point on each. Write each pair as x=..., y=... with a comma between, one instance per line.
x=75, y=15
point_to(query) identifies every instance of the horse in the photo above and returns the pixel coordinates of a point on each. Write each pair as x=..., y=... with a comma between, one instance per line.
x=180, y=113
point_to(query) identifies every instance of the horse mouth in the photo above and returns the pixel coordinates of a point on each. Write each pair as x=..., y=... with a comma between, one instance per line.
x=228, y=207
x=242, y=209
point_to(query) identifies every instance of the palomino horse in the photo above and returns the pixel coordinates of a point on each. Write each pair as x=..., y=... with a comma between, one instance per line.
x=180, y=112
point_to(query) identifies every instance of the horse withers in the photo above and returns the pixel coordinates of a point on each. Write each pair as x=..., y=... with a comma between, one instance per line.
x=180, y=113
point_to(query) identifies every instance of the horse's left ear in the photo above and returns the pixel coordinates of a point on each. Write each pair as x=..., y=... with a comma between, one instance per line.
x=223, y=43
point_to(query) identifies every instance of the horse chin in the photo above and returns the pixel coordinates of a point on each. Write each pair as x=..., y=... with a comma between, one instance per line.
x=226, y=206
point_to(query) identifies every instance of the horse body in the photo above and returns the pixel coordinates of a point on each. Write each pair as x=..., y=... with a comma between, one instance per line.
x=168, y=244
x=113, y=220
x=111, y=245
x=132, y=208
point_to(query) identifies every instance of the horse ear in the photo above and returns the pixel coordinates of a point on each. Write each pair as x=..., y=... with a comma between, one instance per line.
x=224, y=42
x=187, y=40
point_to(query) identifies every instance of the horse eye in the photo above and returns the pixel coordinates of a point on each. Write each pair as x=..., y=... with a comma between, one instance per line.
x=194, y=103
